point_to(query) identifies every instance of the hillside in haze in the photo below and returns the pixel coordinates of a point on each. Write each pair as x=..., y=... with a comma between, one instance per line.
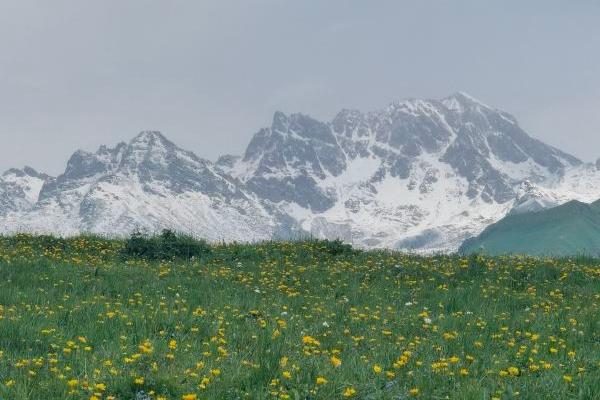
x=569, y=229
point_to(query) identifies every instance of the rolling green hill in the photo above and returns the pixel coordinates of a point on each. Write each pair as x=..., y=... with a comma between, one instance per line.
x=570, y=229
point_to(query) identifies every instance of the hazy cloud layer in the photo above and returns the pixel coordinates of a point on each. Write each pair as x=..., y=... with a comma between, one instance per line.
x=76, y=74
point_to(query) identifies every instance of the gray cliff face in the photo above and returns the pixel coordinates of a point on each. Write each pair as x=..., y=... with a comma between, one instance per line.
x=227, y=161
x=290, y=157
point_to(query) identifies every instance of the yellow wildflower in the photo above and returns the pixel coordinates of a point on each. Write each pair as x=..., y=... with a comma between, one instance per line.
x=336, y=362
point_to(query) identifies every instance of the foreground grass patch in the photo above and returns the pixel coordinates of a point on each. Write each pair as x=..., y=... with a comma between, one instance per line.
x=307, y=320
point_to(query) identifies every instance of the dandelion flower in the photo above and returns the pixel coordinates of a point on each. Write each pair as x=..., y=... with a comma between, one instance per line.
x=336, y=362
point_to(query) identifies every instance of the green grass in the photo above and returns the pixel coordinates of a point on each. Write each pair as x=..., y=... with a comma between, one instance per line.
x=264, y=321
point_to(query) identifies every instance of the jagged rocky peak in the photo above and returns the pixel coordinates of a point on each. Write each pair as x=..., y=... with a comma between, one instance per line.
x=350, y=123
x=484, y=126
x=294, y=128
x=413, y=127
x=153, y=160
x=462, y=101
x=296, y=142
x=150, y=140
x=482, y=144
x=303, y=126
x=84, y=164
x=227, y=161
x=26, y=171
x=149, y=159
x=284, y=162
x=20, y=188
x=149, y=148
x=84, y=167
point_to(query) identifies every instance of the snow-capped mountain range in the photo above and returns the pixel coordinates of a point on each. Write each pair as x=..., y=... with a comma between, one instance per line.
x=418, y=175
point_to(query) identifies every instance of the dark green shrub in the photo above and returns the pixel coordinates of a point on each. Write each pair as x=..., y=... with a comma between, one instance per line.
x=139, y=245
x=167, y=245
x=336, y=247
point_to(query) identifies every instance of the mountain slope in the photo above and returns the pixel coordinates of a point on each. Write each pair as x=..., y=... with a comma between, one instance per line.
x=420, y=175
x=568, y=229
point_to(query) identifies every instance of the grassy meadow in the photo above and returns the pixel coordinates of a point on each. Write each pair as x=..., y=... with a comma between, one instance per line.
x=92, y=318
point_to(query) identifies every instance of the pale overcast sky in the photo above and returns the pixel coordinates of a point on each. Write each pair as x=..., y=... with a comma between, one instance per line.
x=78, y=74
